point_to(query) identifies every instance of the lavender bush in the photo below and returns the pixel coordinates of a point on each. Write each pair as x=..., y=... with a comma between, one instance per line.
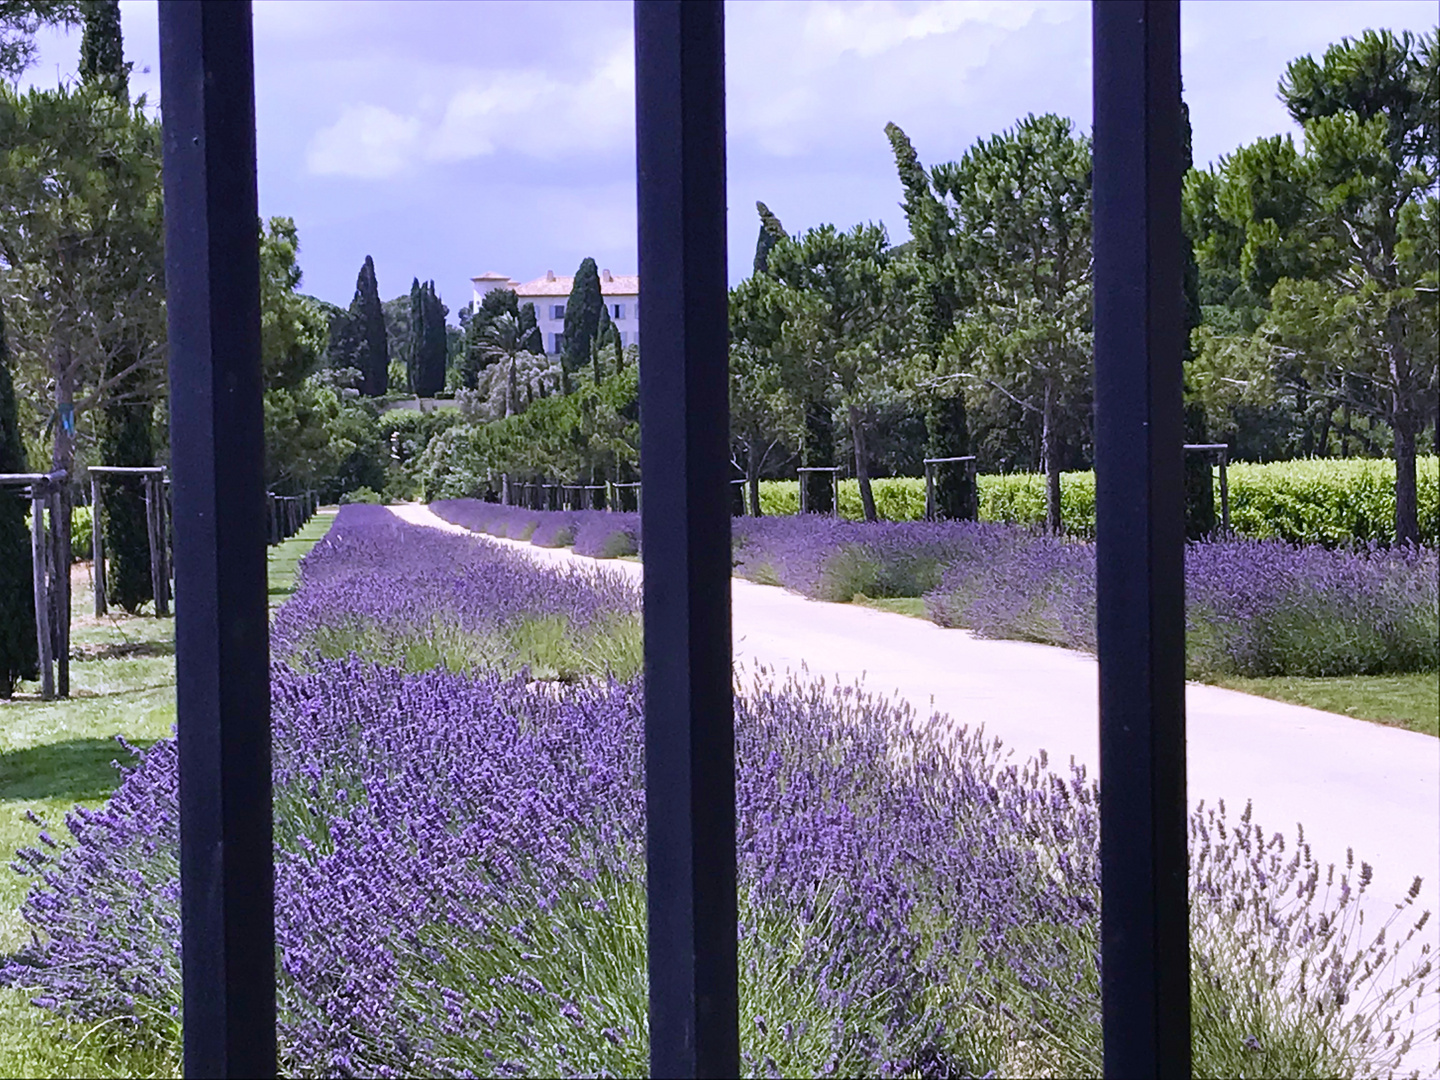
x=1252, y=607
x=418, y=598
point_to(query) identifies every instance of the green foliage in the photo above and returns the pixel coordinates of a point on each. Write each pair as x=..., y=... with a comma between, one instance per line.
x=582, y=320
x=1328, y=502
x=102, y=49
x=1320, y=265
x=359, y=339
x=19, y=21
x=17, y=599
x=1021, y=207
x=586, y=435
x=429, y=343
x=322, y=438
x=80, y=173
x=361, y=495
x=771, y=233
x=1319, y=501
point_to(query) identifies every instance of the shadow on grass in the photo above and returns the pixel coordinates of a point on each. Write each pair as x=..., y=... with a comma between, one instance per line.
x=75, y=769
x=121, y=650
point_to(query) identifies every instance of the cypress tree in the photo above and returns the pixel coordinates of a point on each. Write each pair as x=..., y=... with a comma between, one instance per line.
x=431, y=340
x=127, y=434
x=102, y=47
x=582, y=319
x=1200, y=517
x=368, y=314
x=606, y=345
x=417, y=333
x=18, y=657
x=771, y=233
x=530, y=334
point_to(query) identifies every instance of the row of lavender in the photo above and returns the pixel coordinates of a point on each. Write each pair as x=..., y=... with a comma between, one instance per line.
x=599, y=534
x=1253, y=607
x=460, y=864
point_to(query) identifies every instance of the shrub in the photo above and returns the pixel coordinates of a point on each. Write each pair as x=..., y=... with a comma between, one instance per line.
x=1323, y=501
x=361, y=495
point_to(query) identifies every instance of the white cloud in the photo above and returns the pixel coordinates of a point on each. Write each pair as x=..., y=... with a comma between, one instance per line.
x=528, y=111
x=533, y=112
x=368, y=142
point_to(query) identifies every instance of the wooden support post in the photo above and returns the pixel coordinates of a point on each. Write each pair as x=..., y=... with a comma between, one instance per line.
x=162, y=547
x=60, y=586
x=1224, y=494
x=97, y=543
x=39, y=558
x=152, y=536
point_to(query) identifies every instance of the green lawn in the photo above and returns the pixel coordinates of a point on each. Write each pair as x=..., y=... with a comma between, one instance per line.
x=54, y=754
x=1405, y=701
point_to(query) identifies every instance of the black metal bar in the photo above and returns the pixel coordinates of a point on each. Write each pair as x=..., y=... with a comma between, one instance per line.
x=685, y=520
x=212, y=270
x=1140, y=538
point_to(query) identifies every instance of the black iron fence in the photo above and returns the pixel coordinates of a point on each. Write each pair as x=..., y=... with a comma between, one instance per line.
x=212, y=267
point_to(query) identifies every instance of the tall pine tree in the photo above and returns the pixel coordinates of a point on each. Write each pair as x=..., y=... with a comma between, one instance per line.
x=18, y=658
x=582, y=320
x=127, y=435
x=368, y=316
x=947, y=426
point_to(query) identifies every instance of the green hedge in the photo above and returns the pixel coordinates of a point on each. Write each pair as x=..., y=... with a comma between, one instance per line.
x=1316, y=501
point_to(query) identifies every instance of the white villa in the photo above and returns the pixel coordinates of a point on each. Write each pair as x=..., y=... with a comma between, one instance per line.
x=549, y=293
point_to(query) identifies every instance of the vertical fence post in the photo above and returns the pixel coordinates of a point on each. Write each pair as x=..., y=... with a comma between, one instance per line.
x=1140, y=538
x=1224, y=493
x=60, y=580
x=97, y=543
x=212, y=272
x=40, y=580
x=685, y=518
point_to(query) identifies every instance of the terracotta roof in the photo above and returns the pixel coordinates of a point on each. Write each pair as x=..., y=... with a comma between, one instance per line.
x=555, y=285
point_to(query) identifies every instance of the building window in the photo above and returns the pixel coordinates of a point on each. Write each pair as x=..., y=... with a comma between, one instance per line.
x=557, y=311
x=617, y=311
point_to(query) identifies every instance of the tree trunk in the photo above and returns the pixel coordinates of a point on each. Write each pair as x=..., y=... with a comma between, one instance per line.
x=1407, y=511
x=1050, y=455
x=862, y=463
x=752, y=473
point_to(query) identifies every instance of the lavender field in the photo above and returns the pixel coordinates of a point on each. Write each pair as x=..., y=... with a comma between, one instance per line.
x=1253, y=607
x=460, y=859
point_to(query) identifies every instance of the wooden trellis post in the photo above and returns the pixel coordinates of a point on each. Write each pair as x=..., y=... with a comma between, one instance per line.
x=97, y=543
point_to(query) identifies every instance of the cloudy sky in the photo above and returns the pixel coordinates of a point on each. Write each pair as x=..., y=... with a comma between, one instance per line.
x=448, y=138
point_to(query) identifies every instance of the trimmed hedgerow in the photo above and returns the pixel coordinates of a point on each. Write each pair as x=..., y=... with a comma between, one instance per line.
x=1320, y=501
